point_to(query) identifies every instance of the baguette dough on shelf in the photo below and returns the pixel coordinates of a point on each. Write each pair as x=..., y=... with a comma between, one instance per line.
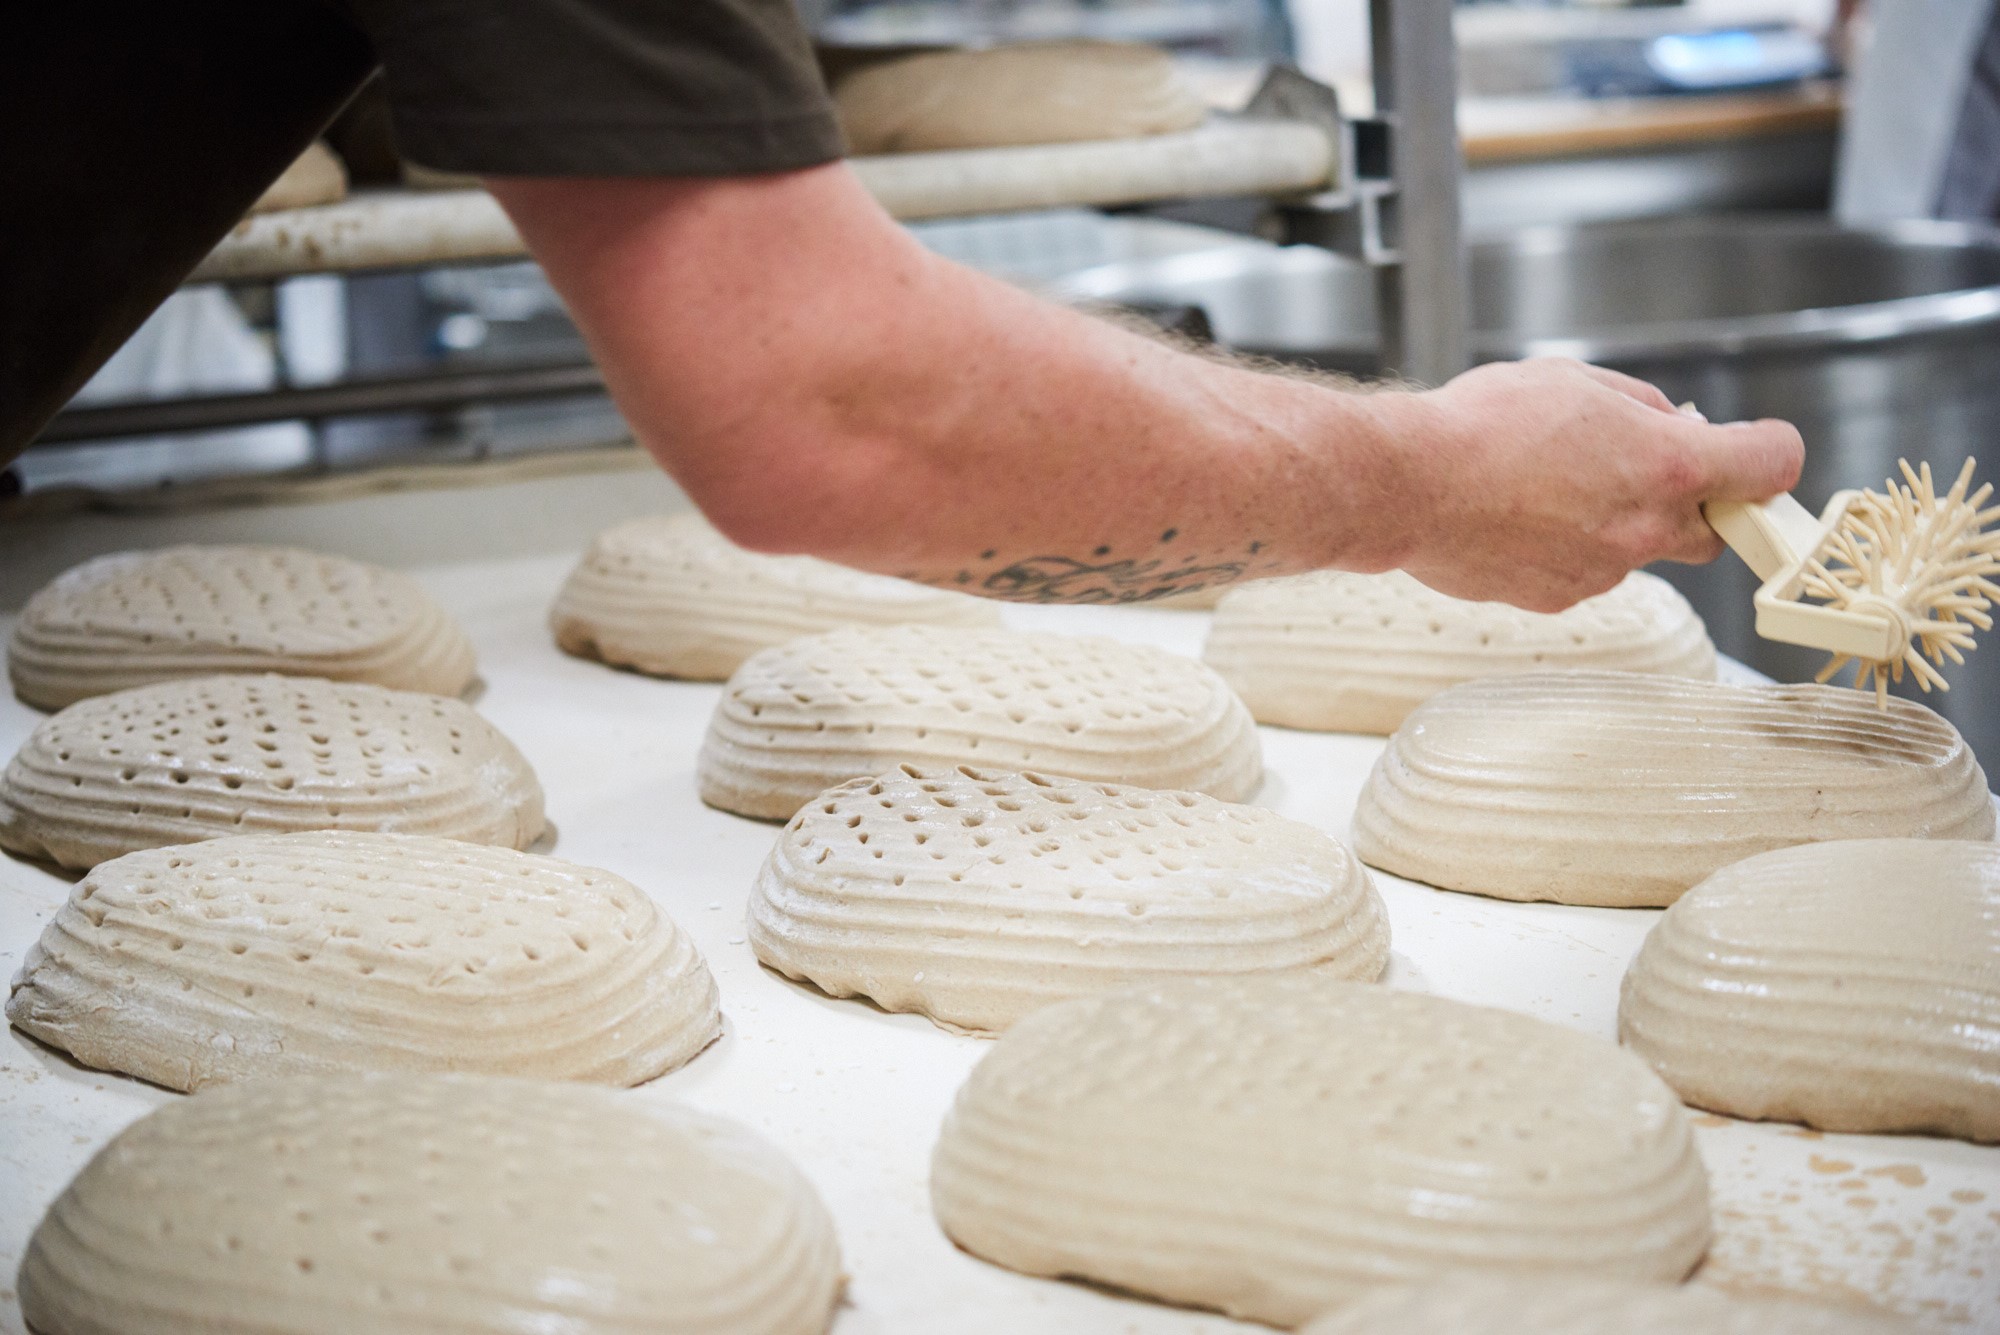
x=1274, y=1145
x=1337, y=652
x=1622, y=789
x=294, y=954
x=133, y=618
x=1472, y=1304
x=977, y=896
x=420, y=1203
x=796, y=720
x=181, y=761
x=1851, y=987
x=1029, y=93
x=671, y=596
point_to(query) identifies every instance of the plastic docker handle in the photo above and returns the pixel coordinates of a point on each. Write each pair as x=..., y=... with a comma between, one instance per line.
x=1768, y=535
x=1776, y=538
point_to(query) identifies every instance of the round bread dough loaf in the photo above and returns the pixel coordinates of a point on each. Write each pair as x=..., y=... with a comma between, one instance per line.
x=976, y=896
x=796, y=720
x=1338, y=652
x=186, y=760
x=1471, y=1304
x=133, y=618
x=1032, y=93
x=1851, y=986
x=671, y=596
x=1272, y=1145
x=292, y=954
x=426, y=1203
x=1622, y=789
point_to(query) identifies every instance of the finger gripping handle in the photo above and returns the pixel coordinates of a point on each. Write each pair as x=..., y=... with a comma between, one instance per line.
x=1768, y=535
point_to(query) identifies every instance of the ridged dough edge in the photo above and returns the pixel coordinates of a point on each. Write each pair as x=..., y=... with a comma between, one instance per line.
x=623, y=1014
x=51, y=671
x=979, y=960
x=1859, y=1040
x=1619, y=857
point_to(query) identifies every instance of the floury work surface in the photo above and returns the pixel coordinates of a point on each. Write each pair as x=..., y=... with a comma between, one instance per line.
x=856, y=1096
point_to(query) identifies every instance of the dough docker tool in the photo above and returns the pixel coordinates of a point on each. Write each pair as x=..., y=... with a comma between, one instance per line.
x=1882, y=581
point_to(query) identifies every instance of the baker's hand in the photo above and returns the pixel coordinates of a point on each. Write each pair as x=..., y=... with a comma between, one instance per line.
x=1549, y=480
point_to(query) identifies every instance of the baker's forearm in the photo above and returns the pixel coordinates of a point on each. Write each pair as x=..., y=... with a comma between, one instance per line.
x=865, y=401
x=976, y=436
x=819, y=383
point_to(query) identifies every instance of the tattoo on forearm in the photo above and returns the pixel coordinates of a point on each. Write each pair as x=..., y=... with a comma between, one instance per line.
x=1103, y=578
x=1062, y=579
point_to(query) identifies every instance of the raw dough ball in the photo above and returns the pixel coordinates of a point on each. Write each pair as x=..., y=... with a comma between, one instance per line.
x=187, y=760
x=977, y=896
x=1465, y=1304
x=671, y=596
x=1356, y=653
x=289, y=954
x=1851, y=986
x=1622, y=789
x=849, y=704
x=1033, y=93
x=423, y=1203
x=1274, y=1144
x=138, y=617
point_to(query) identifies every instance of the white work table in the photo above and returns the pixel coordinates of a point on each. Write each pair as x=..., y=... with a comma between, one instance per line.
x=855, y=1096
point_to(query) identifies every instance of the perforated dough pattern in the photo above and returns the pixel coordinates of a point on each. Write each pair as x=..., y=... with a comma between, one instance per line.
x=1340, y=652
x=1621, y=789
x=1852, y=987
x=976, y=896
x=428, y=1203
x=186, y=760
x=268, y=955
x=798, y=719
x=671, y=596
x=1272, y=1144
x=132, y=618
x=1492, y=1305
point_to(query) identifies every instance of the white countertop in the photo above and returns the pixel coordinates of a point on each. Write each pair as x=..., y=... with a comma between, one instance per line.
x=856, y=1095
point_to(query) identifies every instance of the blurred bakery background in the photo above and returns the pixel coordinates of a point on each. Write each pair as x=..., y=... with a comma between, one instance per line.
x=1768, y=207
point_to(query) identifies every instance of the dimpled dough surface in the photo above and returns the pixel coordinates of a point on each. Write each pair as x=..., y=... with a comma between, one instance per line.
x=1273, y=1144
x=1622, y=789
x=977, y=896
x=1032, y=93
x=671, y=596
x=1490, y=1305
x=417, y=1203
x=1338, y=652
x=796, y=720
x=1851, y=986
x=137, y=617
x=186, y=760
x=287, y=954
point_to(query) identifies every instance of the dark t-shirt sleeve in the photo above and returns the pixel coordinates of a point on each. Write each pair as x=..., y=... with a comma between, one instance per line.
x=602, y=87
